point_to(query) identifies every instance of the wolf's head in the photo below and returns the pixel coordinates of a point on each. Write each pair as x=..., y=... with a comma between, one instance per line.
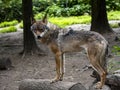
x=39, y=28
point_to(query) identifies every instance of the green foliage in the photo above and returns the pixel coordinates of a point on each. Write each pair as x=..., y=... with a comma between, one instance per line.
x=39, y=15
x=6, y=24
x=116, y=50
x=76, y=10
x=84, y=19
x=114, y=15
x=10, y=10
x=21, y=24
x=112, y=5
x=64, y=21
x=54, y=10
x=114, y=25
x=8, y=29
x=40, y=5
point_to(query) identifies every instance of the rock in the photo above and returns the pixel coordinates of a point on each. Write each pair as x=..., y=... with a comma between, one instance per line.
x=105, y=87
x=32, y=84
x=5, y=63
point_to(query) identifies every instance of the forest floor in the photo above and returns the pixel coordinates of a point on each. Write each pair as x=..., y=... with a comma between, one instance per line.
x=43, y=67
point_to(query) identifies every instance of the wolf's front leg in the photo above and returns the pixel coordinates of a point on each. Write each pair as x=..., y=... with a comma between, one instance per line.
x=58, y=67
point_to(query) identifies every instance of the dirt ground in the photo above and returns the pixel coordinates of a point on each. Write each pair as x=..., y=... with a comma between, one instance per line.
x=43, y=67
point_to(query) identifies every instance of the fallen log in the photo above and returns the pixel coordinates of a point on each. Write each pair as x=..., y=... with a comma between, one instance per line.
x=32, y=84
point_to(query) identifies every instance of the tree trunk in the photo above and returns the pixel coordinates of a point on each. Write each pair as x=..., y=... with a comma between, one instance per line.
x=29, y=40
x=99, y=21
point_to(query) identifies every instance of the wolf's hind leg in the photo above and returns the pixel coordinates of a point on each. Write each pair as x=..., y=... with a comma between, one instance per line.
x=94, y=56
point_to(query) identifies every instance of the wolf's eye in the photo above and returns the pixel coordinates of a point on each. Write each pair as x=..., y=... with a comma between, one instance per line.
x=35, y=30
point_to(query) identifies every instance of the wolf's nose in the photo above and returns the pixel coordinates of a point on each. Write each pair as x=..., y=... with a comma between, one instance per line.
x=39, y=37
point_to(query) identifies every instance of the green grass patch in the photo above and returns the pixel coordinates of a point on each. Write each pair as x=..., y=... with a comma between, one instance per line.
x=114, y=15
x=114, y=25
x=21, y=24
x=8, y=29
x=86, y=19
x=6, y=24
x=64, y=21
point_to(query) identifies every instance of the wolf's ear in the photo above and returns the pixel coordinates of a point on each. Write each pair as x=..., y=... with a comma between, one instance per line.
x=32, y=21
x=45, y=18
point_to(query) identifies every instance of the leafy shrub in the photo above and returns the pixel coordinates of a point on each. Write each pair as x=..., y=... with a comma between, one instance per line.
x=55, y=10
x=11, y=23
x=8, y=29
x=40, y=5
x=80, y=9
x=112, y=5
x=39, y=15
x=10, y=10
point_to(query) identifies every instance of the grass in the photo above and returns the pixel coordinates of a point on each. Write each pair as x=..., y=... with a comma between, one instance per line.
x=114, y=25
x=86, y=19
x=21, y=24
x=8, y=29
x=10, y=23
x=64, y=21
x=114, y=15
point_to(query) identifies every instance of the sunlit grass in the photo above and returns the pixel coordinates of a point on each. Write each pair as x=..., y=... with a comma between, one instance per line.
x=64, y=21
x=8, y=29
x=85, y=19
x=8, y=23
x=114, y=15
x=114, y=25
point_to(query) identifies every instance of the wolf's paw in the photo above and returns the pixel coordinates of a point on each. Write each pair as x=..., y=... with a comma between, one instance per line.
x=98, y=85
x=56, y=79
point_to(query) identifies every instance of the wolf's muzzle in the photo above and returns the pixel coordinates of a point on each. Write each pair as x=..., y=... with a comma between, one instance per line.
x=39, y=37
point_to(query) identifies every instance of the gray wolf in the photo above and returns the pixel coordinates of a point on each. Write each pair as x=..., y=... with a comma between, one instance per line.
x=61, y=42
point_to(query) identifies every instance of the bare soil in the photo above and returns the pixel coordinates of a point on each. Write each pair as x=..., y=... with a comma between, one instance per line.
x=43, y=67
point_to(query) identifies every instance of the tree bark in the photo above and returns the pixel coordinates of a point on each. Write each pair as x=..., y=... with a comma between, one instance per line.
x=99, y=21
x=29, y=40
x=31, y=84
